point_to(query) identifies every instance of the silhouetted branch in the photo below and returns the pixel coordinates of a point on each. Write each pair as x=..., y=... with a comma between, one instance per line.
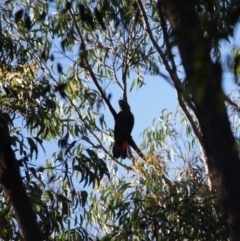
x=13, y=186
x=100, y=91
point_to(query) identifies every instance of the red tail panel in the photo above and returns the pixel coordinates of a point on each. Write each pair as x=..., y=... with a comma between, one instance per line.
x=123, y=147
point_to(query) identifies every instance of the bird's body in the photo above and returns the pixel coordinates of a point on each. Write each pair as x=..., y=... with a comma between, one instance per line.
x=122, y=130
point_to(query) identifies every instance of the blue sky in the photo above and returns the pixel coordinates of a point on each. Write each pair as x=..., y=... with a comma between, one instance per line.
x=148, y=102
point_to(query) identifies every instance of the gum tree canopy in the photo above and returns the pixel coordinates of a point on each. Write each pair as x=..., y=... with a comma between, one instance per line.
x=59, y=62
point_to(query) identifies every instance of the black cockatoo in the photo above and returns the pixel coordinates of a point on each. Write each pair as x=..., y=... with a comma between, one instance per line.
x=122, y=130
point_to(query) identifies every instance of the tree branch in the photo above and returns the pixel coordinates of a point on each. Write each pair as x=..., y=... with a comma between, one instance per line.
x=172, y=72
x=94, y=135
x=219, y=144
x=12, y=183
x=102, y=94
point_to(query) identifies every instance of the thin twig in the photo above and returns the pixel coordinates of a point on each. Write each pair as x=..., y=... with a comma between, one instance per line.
x=94, y=135
x=102, y=94
x=173, y=75
x=165, y=36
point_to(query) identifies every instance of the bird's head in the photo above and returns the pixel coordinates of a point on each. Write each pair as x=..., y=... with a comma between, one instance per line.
x=123, y=105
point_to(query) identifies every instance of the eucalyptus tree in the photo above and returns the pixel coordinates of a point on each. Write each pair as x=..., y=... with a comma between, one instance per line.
x=58, y=59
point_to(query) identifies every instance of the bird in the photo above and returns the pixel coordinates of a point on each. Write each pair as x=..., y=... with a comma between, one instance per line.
x=122, y=130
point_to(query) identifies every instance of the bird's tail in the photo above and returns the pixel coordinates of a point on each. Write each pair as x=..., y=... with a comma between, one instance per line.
x=120, y=151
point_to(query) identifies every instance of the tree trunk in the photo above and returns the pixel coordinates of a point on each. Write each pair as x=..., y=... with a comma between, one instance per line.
x=12, y=183
x=203, y=88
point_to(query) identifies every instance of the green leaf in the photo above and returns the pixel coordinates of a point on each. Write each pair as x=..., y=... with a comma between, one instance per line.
x=33, y=171
x=51, y=104
x=33, y=147
x=84, y=196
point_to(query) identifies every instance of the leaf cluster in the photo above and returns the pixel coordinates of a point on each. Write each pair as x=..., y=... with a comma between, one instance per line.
x=50, y=52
